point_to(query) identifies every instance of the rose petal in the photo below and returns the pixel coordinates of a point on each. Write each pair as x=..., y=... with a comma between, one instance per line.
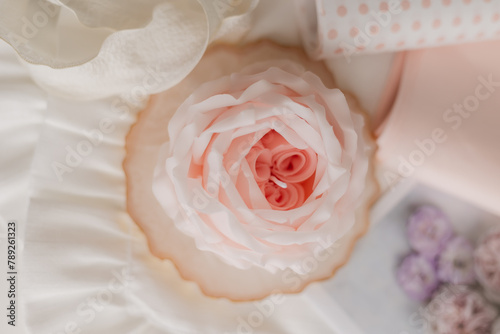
x=260, y=161
x=292, y=165
x=283, y=198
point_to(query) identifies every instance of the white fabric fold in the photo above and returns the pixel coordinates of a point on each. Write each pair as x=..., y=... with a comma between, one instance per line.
x=22, y=110
x=97, y=49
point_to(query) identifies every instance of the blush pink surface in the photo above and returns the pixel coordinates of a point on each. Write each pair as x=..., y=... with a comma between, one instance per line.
x=444, y=124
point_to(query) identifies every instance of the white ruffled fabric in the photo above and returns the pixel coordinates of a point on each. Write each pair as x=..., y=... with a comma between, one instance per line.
x=95, y=49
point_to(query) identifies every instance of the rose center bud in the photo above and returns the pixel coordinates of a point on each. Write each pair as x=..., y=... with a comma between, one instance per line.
x=283, y=198
x=293, y=165
x=293, y=162
x=281, y=170
x=260, y=162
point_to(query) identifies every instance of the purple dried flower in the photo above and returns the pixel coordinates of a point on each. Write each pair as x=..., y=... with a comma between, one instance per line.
x=429, y=229
x=417, y=277
x=456, y=262
x=461, y=311
x=487, y=264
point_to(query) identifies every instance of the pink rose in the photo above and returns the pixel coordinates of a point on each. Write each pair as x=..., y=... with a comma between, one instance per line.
x=272, y=137
x=262, y=169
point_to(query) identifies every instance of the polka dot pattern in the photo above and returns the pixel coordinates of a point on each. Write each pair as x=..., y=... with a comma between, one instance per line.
x=332, y=34
x=374, y=29
x=342, y=11
x=364, y=26
x=363, y=9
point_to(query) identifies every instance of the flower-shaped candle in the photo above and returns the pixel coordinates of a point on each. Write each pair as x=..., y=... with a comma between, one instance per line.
x=456, y=262
x=262, y=181
x=429, y=229
x=487, y=264
x=417, y=277
x=461, y=311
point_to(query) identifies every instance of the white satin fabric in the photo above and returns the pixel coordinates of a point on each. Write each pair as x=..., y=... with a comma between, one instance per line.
x=22, y=109
x=96, y=49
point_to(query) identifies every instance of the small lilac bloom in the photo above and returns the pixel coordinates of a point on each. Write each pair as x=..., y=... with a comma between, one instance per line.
x=456, y=262
x=461, y=311
x=487, y=263
x=417, y=277
x=496, y=327
x=429, y=230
